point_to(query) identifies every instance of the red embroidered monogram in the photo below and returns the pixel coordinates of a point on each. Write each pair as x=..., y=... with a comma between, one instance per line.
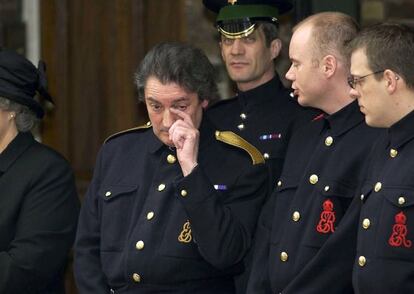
x=399, y=232
x=326, y=223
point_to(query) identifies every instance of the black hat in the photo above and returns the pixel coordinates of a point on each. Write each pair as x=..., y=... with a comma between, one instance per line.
x=20, y=80
x=237, y=18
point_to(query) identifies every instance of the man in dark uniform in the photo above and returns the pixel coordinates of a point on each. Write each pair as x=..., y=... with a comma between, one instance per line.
x=383, y=82
x=262, y=111
x=301, y=244
x=172, y=205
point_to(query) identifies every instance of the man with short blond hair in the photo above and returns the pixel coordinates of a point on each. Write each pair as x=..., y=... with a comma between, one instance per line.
x=301, y=244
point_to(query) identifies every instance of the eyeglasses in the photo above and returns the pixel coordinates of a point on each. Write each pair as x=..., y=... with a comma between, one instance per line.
x=352, y=81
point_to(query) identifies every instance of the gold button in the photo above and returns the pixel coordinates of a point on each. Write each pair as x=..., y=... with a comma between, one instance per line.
x=326, y=188
x=362, y=197
x=240, y=127
x=148, y=123
x=362, y=260
x=136, y=277
x=161, y=187
x=171, y=159
x=401, y=200
x=139, y=245
x=243, y=116
x=313, y=179
x=183, y=193
x=284, y=256
x=377, y=187
x=296, y=216
x=328, y=141
x=366, y=223
x=150, y=215
x=279, y=183
x=107, y=194
x=393, y=153
x=266, y=155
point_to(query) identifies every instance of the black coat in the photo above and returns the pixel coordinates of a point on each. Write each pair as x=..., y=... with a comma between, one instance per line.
x=384, y=261
x=144, y=228
x=265, y=116
x=38, y=216
x=302, y=240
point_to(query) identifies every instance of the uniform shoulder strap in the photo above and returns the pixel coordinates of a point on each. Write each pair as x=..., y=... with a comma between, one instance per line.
x=237, y=141
x=142, y=127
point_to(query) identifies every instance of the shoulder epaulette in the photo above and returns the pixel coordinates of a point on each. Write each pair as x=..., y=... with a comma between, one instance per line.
x=142, y=127
x=237, y=141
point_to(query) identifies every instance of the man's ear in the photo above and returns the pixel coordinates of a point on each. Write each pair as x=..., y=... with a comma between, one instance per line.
x=204, y=104
x=391, y=80
x=329, y=64
x=275, y=48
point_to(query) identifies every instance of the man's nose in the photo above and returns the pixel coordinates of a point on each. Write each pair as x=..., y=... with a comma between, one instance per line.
x=168, y=118
x=354, y=93
x=237, y=47
x=289, y=74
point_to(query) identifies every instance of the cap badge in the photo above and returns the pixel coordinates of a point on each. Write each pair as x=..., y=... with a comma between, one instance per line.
x=231, y=1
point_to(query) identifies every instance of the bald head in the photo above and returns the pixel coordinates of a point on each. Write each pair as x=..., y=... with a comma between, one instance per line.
x=331, y=32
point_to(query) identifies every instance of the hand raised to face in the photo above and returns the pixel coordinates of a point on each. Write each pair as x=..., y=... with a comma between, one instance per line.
x=185, y=137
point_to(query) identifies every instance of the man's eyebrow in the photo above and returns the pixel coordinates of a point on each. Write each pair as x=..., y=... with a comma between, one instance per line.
x=181, y=99
x=178, y=100
x=151, y=99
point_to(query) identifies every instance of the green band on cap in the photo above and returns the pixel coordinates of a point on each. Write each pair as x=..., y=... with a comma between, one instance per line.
x=241, y=11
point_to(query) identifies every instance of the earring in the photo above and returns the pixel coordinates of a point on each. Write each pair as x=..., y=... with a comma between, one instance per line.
x=397, y=78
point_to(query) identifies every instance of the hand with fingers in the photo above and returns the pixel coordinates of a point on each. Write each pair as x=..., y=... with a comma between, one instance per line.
x=185, y=137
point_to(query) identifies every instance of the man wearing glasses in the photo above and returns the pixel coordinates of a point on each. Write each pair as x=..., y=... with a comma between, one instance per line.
x=382, y=81
x=302, y=246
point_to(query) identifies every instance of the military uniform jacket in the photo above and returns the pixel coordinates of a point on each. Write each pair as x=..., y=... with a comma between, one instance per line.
x=385, y=254
x=265, y=116
x=144, y=228
x=38, y=216
x=301, y=248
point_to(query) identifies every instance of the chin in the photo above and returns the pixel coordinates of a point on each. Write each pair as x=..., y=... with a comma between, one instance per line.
x=164, y=138
x=168, y=142
x=373, y=123
x=302, y=101
x=239, y=76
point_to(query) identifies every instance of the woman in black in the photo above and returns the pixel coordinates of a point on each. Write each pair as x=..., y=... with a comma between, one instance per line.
x=38, y=200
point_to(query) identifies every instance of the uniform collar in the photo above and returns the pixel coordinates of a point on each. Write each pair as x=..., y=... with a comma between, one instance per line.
x=16, y=147
x=402, y=131
x=260, y=94
x=345, y=119
x=154, y=143
x=207, y=132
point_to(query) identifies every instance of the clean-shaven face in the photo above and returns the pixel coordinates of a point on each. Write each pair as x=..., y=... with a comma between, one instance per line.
x=369, y=92
x=248, y=60
x=304, y=72
x=161, y=98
